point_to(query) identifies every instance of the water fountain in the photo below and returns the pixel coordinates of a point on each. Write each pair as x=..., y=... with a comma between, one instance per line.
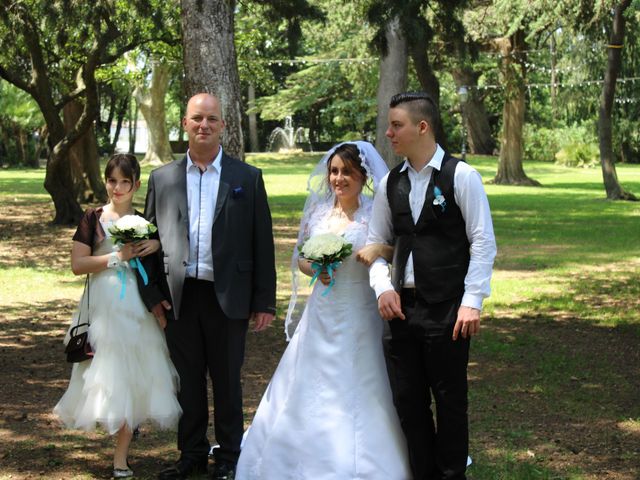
x=286, y=139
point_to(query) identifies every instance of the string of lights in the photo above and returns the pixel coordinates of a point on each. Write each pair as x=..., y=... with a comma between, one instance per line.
x=528, y=65
x=556, y=84
x=304, y=61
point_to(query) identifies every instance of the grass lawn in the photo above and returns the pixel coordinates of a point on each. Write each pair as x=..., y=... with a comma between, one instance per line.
x=554, y=375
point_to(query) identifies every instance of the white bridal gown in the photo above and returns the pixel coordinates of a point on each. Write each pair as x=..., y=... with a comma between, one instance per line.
x=328, y=412
x=130, y=378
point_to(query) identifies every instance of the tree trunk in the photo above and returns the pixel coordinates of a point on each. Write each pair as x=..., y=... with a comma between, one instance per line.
x=393, y=79
x=122, y=112
x=554, y=77
x=43, y=135
x=183, y=145
x=152, y=106
x=133, y=127
x=59, y=184
x=4, y=148
x=22, y=142
x=210, y=62
x=475, y=116
x=58, y=180
x=84, y=158
x=510, y=169
x=611, y=184
x=429, y=84
x=254, y=145
x=103, y=127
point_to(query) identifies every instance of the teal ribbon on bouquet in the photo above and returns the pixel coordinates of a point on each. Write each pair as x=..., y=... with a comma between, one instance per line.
x=317, y=270
x=134, y=263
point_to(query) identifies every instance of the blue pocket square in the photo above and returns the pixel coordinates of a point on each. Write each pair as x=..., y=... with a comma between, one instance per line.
x=237, y=192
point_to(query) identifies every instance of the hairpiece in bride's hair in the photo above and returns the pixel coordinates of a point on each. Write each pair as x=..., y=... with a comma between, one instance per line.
x=321, y=198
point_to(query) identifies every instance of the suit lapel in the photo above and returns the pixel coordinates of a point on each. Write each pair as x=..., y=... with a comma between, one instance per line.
x=226, y=180
x=181, y=191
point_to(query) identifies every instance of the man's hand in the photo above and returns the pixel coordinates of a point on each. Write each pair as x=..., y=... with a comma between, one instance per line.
x=158, y=312
x=146, y=247
x=389, y=305
x=261, y=320
x=468, y=322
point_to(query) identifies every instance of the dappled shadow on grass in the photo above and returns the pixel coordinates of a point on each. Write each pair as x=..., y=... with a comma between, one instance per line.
x=26, y=234
x=554, y=380
x=553, y=392
x=607, y=296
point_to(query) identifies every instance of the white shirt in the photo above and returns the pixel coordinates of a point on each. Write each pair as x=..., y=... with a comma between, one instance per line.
x=202, y=195
x=472, y=200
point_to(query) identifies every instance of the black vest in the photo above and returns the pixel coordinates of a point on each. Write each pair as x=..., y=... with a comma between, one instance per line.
x=438, y=240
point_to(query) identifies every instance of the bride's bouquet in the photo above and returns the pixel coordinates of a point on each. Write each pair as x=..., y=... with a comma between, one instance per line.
x=131, y=228
x=127, y=229
x=326, y=251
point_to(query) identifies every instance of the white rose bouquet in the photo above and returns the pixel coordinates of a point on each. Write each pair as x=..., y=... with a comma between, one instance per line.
x=127, y=229
x=326, y=251
x=131, y=228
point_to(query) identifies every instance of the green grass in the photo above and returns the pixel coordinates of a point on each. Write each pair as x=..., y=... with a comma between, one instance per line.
x=20, y=185
x=556, y=354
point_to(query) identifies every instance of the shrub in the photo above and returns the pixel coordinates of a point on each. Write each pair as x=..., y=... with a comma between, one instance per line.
x=543, y=144
x=578, y=155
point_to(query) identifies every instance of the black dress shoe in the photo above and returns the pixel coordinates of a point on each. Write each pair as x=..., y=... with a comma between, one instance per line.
x=223, y=471
x=183, y=469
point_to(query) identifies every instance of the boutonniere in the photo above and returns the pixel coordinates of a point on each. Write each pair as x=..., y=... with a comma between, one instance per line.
x=237, y=192
x=439, y=198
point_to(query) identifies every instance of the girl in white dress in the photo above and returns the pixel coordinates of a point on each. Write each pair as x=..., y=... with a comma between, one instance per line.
x=130, y=378
x=328, y=411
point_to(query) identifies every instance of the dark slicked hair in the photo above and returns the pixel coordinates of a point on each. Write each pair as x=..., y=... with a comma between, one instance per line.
x=128, y=165
x=419, y=105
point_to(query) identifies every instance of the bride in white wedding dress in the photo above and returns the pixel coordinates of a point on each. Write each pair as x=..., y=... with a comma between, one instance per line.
x=328, y=412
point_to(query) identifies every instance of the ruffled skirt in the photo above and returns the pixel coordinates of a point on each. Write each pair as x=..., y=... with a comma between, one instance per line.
x=131, y=378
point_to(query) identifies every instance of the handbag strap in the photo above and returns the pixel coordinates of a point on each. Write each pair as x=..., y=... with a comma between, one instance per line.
x=87, y=293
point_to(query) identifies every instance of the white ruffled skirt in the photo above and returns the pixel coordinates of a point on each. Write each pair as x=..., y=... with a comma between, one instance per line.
x=131, y=378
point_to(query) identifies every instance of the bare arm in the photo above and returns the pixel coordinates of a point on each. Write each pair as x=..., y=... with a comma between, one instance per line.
x=82, y=262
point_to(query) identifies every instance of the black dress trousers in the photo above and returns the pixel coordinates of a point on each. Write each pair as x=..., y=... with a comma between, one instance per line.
x=426, y=363
x=203, y=340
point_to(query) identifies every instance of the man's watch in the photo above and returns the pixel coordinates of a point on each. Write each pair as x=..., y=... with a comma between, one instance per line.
x=113, y=261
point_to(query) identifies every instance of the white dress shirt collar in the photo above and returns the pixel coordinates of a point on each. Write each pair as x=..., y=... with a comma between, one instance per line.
x=435, y=162
x=216, y=163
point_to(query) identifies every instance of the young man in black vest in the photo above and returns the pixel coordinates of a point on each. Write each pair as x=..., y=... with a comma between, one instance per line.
x=433, y=207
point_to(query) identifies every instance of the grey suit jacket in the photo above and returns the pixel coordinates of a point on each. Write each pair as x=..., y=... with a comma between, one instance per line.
x=242, y=236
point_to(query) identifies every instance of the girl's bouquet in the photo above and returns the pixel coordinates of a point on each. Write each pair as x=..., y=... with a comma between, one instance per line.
x=326, y=251
x=131, y=228
x=127, y=229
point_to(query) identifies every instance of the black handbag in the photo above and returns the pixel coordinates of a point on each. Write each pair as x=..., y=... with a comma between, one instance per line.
x=79, y=349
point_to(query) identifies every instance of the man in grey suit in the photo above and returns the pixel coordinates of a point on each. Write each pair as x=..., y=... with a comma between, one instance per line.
x=214, y=224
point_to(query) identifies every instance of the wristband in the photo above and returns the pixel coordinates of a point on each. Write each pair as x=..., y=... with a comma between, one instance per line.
x=113, y=261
